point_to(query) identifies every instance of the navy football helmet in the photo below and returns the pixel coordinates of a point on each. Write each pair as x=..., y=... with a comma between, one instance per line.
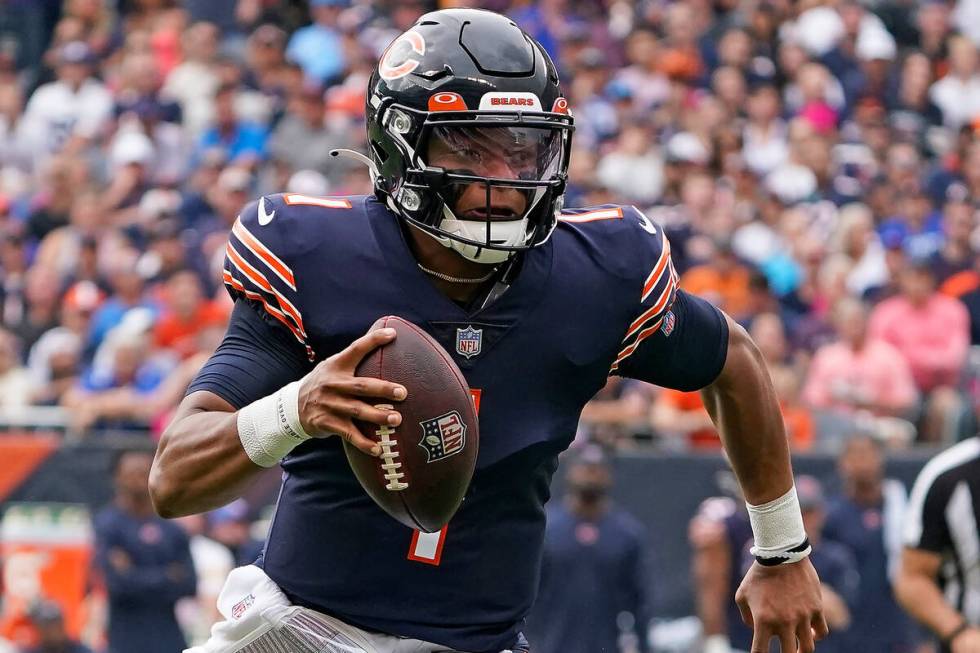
x=470, y=83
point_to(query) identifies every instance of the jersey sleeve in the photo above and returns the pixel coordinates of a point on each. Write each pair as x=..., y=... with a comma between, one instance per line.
x=257, y=265
x=676, y=340
x=256, y=357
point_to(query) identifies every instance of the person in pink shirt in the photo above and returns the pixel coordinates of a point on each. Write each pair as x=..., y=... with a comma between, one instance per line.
x=863, y=379
x=932, y=332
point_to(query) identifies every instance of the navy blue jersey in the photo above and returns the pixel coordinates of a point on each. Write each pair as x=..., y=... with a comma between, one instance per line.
x=598, y=298
x=143, y=592
x=592, y=572
x=881, y=626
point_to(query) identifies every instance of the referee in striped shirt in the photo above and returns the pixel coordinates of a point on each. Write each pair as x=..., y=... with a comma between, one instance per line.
x=939, y=579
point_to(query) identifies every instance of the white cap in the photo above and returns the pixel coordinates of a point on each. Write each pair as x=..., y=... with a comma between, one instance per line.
x=685, y=146
x=308, y=182
x=131, y=147
x=159, y=201
x=875, y=43
x=234, y=178
x=818, y=30
x=791, y=183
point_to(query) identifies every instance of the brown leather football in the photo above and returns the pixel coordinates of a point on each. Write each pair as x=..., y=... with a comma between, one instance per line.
x=428, y=460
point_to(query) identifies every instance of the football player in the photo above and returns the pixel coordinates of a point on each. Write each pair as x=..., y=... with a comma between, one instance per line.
x=464, y=235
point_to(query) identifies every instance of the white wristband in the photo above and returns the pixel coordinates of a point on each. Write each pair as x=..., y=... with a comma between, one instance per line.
x=269, y=428
x=778, y=530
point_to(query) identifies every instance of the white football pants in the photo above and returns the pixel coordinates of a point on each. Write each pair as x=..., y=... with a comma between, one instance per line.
x=258, y=618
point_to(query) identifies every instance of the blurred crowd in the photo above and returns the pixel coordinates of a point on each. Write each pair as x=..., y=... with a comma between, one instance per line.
x=815, y=165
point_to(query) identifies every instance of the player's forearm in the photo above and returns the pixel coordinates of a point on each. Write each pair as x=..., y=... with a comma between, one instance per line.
x=919, y=595
x=744, y=409
x=200, y=463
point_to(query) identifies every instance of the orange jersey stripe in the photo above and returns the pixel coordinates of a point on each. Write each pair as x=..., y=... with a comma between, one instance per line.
x=276, y=313
x=259, y=280
x=652, y=311
x=264, y=254
x=658, y=269
x=625, y=353
x=237, y=285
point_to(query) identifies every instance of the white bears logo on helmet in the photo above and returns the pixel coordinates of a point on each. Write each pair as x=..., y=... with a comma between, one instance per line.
x=398, y=60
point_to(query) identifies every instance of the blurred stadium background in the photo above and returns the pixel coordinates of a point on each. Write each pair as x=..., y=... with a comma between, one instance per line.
x=816, y=164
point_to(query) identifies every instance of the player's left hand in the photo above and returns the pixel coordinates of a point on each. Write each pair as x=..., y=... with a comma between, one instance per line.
x=784, y=602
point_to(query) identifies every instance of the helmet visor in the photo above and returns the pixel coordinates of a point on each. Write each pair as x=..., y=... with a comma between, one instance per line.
x=499, y=153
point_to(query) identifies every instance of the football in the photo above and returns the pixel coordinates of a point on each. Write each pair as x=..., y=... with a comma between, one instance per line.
x=427, y=461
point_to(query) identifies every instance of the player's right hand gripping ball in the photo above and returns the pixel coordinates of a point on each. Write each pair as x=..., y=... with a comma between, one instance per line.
x=427, y=461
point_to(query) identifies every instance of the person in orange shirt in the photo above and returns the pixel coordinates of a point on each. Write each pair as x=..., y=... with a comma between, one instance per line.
x=683, y=415
x=187, y=313
x=723, y=280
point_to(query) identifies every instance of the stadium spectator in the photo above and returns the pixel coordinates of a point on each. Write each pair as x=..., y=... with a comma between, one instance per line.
x=71, y=112
x=592, y=595
x=52, y=201
x=318, y=47
x=124, y=365
x=959, y=222
x=48, y=619
x=958, y=93
x=127, y=288
x=764, y=135
x=193, y=82
x=634, y=168
x=303, y=138
x=265, y=58
x=15, y=151
x=63, y=249
x=186, y=312
x=231, y=526
x=931, y=332
x=145, y=563
x=15, y=386
x=723, y=280
x=856, y=239
x=965, y=286
x=13, y=274
x=683, y=421
x=40, y=313
x=617, y=412
x=862, y=379
x=866, y=518
x=242, y=141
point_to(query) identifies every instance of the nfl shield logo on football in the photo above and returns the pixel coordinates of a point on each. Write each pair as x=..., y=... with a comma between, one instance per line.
x=469, y=341
x=443, y=436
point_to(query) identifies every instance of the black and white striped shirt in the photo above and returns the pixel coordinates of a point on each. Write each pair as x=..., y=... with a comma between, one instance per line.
x=942, y=517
